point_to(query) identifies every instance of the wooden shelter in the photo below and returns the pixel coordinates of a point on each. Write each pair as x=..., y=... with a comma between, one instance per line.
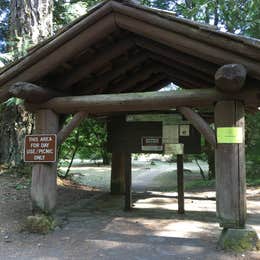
x=110, y=59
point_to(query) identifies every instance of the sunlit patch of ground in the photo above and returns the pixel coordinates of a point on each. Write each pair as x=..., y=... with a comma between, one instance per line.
x=95, y=226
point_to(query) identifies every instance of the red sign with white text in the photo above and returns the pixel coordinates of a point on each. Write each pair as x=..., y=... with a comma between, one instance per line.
x=40, y=148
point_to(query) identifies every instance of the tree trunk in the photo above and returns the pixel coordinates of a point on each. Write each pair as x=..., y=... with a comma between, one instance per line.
x=15, y=123
x=30, y=22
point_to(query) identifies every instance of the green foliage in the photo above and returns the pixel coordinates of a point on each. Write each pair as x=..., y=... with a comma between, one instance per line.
x=91, y=141
x=67, y=11
x=240, y=16
x=41, y=224
x=4, y=13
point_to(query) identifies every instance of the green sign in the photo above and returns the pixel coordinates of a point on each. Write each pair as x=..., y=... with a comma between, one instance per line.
x=229, y=135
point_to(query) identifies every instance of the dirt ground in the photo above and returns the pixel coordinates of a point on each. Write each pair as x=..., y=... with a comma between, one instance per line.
x=93, y=225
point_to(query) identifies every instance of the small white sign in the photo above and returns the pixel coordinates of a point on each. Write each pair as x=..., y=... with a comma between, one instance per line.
x=184, y=130
x=170, y=134
x=174, y=149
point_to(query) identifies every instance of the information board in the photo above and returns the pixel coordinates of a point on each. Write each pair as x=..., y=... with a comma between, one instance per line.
x=134, y=137
x=40, y=148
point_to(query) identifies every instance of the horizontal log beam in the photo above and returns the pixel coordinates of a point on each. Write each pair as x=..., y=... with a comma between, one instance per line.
x=97, y=104
x=200, y=124
x=67, y=129
x=32, y=93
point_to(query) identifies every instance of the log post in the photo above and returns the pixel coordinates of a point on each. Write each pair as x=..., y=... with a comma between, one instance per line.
x=230, y=167
x=128, y=182
x=118, y=173
x=180, y=184
x=43, y=190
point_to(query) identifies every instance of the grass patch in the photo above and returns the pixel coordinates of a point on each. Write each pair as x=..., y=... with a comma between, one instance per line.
x=199, y=184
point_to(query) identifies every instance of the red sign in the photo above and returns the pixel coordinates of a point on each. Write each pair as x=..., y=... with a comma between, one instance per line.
x=40, y=148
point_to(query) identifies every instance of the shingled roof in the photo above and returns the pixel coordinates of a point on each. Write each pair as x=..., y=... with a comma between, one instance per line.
x=121, y=46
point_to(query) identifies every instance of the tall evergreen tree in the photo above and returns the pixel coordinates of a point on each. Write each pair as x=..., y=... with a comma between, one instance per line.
x=30, y=21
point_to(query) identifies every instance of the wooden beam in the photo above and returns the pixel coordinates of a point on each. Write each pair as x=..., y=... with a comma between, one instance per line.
x=230, y=167
x=140, y=87
x=206, y=34
x=180, y=184
x=128, y=182
x=32, y=93
x=230, y=77
x=67, y=129
x=186, y=44
x=177, y=56
x=183, y=69
x=200, y=124
x=118, y=167
x=102, y=58
x=159, y=85
x=135, y=78
x=97, y=104
x=44, y=183
x=101, y=82
x=177, y=75
x=60, y=49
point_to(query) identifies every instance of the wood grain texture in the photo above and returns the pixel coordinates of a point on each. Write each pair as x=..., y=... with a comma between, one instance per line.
x=33, y=93
x=67, y=129
x=44, y=186
x=200, y=124
x=180, y=183
x=118, y=167
x=185, y=44
x=230, y=77
x=128, y=181
x=230, y=168
x=98, y=104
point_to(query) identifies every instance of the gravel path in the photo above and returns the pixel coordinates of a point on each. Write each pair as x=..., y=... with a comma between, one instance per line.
x=94, y=225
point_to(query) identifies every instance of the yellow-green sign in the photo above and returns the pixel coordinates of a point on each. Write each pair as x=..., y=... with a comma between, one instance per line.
x=229, y=135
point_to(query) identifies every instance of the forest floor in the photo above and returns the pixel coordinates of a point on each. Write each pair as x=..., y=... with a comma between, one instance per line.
x=94, y=225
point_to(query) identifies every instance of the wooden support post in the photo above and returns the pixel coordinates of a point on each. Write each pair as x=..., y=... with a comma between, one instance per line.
x=200, y=124
x=230, y=168
x=180, y=183
x=128, y=182
x=118, y=173
x=43, y=191
x=67, y=129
